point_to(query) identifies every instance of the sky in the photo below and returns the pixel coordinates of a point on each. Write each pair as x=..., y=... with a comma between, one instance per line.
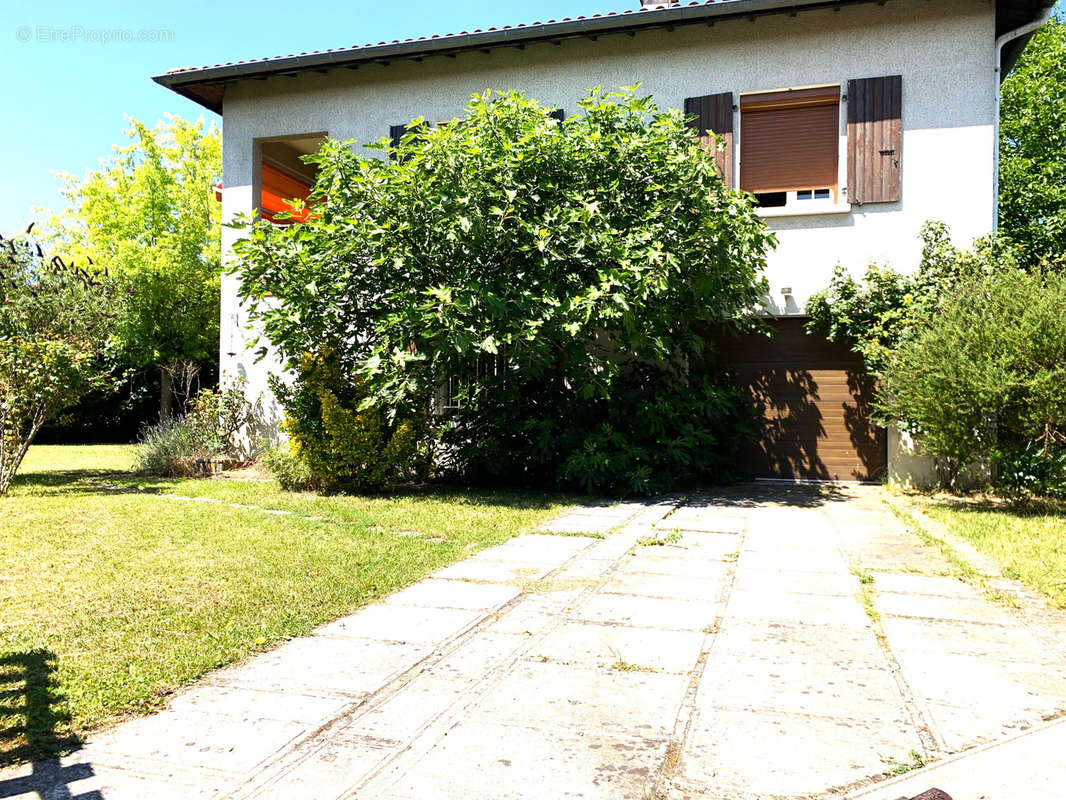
x=71, y=70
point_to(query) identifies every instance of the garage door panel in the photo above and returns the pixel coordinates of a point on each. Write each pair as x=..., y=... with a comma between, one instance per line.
x=815, y=397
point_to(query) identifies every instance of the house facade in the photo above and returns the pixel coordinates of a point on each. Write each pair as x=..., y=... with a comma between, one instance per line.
x=853, y=122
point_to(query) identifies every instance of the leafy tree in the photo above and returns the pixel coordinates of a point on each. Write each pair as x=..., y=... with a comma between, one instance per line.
x=527, y=263
x=54, y=320
x=876, y=314
x=150, y=217
x=984, y=376
x=1032, y=174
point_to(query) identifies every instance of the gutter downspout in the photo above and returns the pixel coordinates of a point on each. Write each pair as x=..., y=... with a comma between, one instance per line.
x=1001, y=41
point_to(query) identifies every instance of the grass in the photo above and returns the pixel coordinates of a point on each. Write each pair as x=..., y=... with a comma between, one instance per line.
x=656, y=541
x=960, y=567
x=915, y=760
x=1027, y=541
x=112, y=597
x=625, y=666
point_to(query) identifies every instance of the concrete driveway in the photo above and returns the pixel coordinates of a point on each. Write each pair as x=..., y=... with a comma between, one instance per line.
x=716, y=647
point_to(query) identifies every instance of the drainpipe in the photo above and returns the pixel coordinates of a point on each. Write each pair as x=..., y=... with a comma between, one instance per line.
x=1001, y=41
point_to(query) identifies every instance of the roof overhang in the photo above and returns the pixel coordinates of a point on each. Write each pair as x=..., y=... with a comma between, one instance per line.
x=1011, y=15
x=207, y=85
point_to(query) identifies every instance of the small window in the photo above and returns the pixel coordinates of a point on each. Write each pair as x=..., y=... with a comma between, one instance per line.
x=789, y=145
x=284, y=177
x=813, y=194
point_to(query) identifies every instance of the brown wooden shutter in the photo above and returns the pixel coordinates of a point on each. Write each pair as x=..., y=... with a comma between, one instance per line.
x=790, y=140
x=714, y=112
x=875, y=139
x=396, y=133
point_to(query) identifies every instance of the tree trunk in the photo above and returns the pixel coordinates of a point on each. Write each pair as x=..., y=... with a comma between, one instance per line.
x=166, y=394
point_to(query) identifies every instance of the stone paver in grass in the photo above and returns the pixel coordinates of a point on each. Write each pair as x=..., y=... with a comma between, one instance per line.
x=720, y=648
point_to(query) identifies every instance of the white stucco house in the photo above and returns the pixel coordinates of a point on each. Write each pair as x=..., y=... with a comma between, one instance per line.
x=852, y=121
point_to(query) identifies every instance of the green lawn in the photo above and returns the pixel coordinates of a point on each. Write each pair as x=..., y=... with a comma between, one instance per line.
x=112, y=596
x=1027, y=541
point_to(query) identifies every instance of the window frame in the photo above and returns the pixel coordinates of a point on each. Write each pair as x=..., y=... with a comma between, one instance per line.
x=794, y=205
x=257, y=168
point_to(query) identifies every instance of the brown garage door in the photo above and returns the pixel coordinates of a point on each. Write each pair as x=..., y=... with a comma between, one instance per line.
x=816, y=401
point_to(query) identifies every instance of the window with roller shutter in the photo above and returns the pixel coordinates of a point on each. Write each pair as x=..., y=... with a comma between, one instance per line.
x=789, y=142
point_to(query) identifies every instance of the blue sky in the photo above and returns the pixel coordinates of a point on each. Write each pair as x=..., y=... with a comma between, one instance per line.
x=65, y=89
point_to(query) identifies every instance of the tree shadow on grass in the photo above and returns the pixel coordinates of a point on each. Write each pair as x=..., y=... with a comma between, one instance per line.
x=1023, y=507
x=30, y=728
x=53, y=482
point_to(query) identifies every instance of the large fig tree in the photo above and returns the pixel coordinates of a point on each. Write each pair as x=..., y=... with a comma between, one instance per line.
x=520, y=265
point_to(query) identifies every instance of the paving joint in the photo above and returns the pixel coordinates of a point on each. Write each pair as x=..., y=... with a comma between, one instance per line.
x=933, y=742
x=315, y=740
x=450, y=716
x=687, y=712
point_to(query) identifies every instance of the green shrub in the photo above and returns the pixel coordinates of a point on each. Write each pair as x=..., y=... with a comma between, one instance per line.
x=985, y=377
x=211, y=429
x=289, y=470
x=683, y=434
x=164, y=449
x=341, y=445
x=877, y=313
x=217, y=418
x=556, y=253
x=659, y=430
x=1026, y=467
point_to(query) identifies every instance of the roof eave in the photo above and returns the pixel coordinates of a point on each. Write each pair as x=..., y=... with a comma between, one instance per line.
x=185, y=82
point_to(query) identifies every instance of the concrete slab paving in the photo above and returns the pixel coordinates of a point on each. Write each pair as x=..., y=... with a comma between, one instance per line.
x=796, y=582
x=733, y=754
x=549, y=695
x=324, y=665
x=841, y=690
x=678, y=587
x=796, y=607
x=605, y=646
x=642, y=562
x=956, y=609
x=518, y=762
x=402, y=624
x=1029, y=764
x=734, y=662
x=801, y=641
x=441, y=593
x=649, y=612
x=977, y=640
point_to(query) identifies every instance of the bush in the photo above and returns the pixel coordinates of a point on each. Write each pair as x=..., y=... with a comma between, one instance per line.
x=876, y=314
x=659, y=431
x=289, y=470
x=985, y=377
x=541, y=256
x=339, y=444
x=164, y=449
x=212, y=429
x=685, y=433
x=54, y=324
x=1028, y=468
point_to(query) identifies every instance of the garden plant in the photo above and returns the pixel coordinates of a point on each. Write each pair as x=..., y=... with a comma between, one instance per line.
x=546, y=286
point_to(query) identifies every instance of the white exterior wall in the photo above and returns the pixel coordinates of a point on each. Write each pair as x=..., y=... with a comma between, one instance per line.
x=943, y=50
